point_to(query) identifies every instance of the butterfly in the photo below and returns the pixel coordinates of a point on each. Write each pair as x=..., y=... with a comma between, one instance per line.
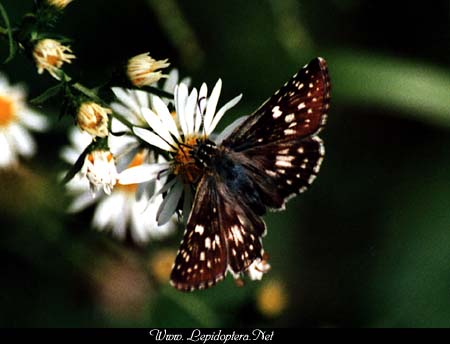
x=274, y=154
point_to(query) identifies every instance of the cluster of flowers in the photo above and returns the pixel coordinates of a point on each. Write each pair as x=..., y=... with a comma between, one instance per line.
x=128, y=156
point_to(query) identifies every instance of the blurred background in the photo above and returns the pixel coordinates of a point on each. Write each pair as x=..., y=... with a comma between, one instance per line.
x=367, y=246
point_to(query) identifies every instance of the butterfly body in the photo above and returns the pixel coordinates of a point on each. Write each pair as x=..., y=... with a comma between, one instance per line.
x=273, y=155
x=226, y=166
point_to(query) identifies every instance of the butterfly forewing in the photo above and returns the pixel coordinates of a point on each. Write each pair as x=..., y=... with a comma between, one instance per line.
x=297, y=110
x=202, y=258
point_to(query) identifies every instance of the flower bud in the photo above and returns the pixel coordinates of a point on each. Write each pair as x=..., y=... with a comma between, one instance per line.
x=50, y=55
x=59, y=4
x=142, y=70
x=93, y=119
x=100, y=169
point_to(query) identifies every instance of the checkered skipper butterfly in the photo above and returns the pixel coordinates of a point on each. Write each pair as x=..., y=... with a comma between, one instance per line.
x=271, y=156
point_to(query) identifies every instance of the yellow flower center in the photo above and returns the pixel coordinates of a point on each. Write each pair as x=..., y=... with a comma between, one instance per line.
x=137, y=161
x=7, y=113
x=184, y=165
x=53, y=60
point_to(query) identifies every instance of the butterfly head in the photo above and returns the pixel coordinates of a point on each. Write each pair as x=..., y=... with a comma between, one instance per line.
x=204, y=153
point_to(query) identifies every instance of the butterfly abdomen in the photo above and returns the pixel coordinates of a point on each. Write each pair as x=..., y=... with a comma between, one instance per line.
x=236, y=177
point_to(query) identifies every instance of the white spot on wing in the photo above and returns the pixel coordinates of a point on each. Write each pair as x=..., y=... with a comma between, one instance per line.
x=289, y=118
x=276, y=112
x=199, y=229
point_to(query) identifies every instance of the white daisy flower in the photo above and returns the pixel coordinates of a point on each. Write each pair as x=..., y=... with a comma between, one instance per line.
x=16, y=118
x=257, y=269
x=130, y=102
x=122, y=211
x=196, y=118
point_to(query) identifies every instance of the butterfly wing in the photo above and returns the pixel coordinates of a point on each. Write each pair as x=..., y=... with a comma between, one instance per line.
x=221, y=235
x=297, y=110
x=278, y=145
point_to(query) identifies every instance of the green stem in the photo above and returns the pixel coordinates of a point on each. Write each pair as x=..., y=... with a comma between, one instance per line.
x=122, y=119
x=159, y=92
x=8, y=33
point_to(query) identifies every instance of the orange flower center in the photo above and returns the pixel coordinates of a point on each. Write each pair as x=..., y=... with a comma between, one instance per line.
x=53, y=60
x=7, y=112
x=184, y=165
x=137, y=161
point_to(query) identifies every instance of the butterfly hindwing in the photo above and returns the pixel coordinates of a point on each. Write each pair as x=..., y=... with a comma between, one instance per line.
x=297, y=110
x=222, y=234
x=281, y=170
x=243, y=231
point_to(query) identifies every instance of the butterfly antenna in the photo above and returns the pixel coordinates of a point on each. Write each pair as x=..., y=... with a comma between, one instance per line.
x=202, y=114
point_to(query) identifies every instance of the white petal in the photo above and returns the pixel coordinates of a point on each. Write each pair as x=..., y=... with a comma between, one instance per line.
x=125, y=97
x=180, y=105
x=109, y=211
x=186, y=81
x=200, y=110
x=165, y=116
x=152, y=139
x=222, y=111
x=163, y=189
x=69, y=155
x=169, y=205
x=229, y=129
x=23, y=141
x=171, y=81
x=211, y=106
x=119, y=226
x=7, y=156
x=34, y=121
x=117, y=126
x=81, y=202
x=141, y=98
x=80, y=139
x=142, y=173
x=155, y=123
x=190, y=111
x=122, y=110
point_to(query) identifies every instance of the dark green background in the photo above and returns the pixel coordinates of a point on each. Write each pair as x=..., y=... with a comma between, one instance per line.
x=368, y=245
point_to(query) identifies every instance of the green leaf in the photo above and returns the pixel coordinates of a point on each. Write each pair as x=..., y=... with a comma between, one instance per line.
x=77, y=166
x=87, y=92
x=419, y=90
x=101, y=143
x=49, y=93
x=11, y=43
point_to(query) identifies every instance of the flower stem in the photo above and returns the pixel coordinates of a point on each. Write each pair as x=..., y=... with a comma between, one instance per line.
x=123, y=120
x=8, y=32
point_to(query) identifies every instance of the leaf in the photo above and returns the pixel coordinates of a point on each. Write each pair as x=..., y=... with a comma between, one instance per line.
x=11, y=43
x=49, y=93
x=77, y=166
x=418, y=90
